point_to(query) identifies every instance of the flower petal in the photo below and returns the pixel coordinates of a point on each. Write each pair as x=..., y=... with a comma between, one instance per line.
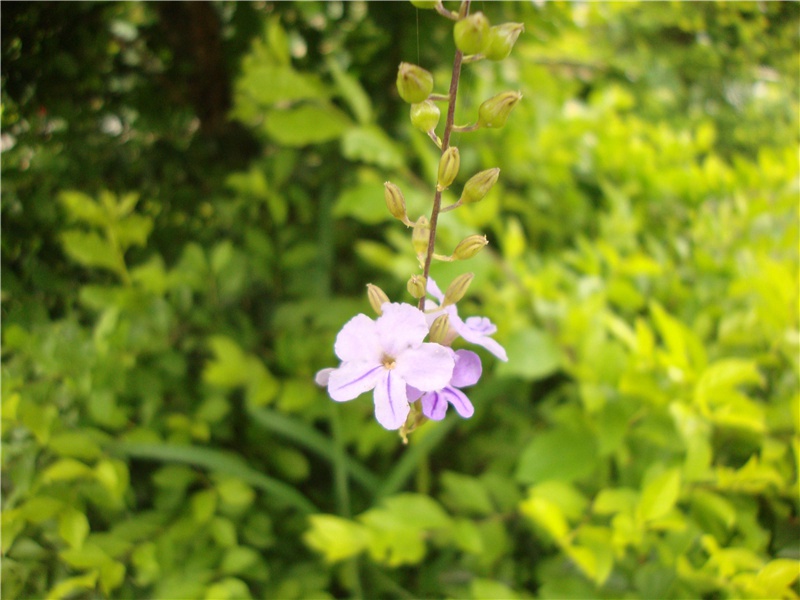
x=434, y=290
x=322, y=376
x=358, y=341
x=353, y=379
x=480, y=325
x=413, y=393
x=400, y=326
x=473, y=332
x=434, y=406
x=467, y=370
x=391, y=401
x=426, y=368
x=459, y=401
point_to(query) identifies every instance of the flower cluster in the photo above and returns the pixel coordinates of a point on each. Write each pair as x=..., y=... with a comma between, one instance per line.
x=390, y=357
x=413, y=380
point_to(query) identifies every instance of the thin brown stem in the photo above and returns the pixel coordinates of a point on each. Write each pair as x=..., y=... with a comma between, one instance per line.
x=448, y=129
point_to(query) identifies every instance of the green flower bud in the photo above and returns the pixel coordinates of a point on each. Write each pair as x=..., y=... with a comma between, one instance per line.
x=425, y=115
x=395, y=201
x=440, y=329
x=472, y=33
x=457, y=289
x=377, y=298
x=448, y=168
x=479, y=185
x=494, y=112
x=416, y=286
x=414, y=83
x=470, y=246
x=421, y=235
x=502, y=39
x=425, y=3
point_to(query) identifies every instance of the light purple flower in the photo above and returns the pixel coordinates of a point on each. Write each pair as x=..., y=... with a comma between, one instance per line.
x=387, y=355
x=466, y=372
x=475, y=330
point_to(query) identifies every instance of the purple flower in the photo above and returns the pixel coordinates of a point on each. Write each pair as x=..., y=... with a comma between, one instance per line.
x=387, y=355
x=466, y=372
x=475, y=330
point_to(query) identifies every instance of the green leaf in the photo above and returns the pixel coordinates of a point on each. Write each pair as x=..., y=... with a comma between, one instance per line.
x=230, y=366
x=335, y=538
x=75, y=444
x=610, y=501
x=203, y=505
x=532, y=354
x=547, y=515
x=66, y=469
x=265, y=85
x=238, y=559
x=351, y=91
x=467, y=536
x=489, y=589
x=308, y=437
x=68, y=587
x=659, y=495
x=73, y=527
x=465, y=494
x=235, y=493
x=713, y=512
x=221, y=462
x=399, y=527
x=306, y=124
x=223, y=531
x=133, y=230
x=561, y=454
x=88, y=556
x=113, y=476
x=112, y=574
x=90, y=250
x=369, y=144
x=228, y=588
x=82, y=207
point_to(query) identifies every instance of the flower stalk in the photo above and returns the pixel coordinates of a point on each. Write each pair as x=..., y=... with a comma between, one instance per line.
x=448, y=130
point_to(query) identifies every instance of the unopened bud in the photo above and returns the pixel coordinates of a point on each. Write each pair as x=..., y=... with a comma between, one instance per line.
x=416, y=286
x=414, y=83
x=479, y=185
x=421, y=235
x=470, y=246
x=395, y=201
x=439, y=329
x=377, y=298
x=425, y=3
x=425, y=115
x=472, y=33
x=494, y=112
x=448, y=168
x=502, y=39
x=457, y=289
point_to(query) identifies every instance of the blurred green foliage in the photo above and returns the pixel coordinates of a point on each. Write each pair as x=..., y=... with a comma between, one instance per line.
x=193, y=203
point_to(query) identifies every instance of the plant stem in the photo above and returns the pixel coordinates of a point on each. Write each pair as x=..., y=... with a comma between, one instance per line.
x=448, y=129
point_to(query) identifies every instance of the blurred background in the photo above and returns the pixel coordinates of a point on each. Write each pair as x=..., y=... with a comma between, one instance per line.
x=193, y=204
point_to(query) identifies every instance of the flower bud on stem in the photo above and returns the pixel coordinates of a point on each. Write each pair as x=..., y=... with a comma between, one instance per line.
x=416, y=286
x=470, y=246
x=457, y=288
x=421, y=239
x=396, y=202
x=439, y=329
x=377, y=298
x=448, y=168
